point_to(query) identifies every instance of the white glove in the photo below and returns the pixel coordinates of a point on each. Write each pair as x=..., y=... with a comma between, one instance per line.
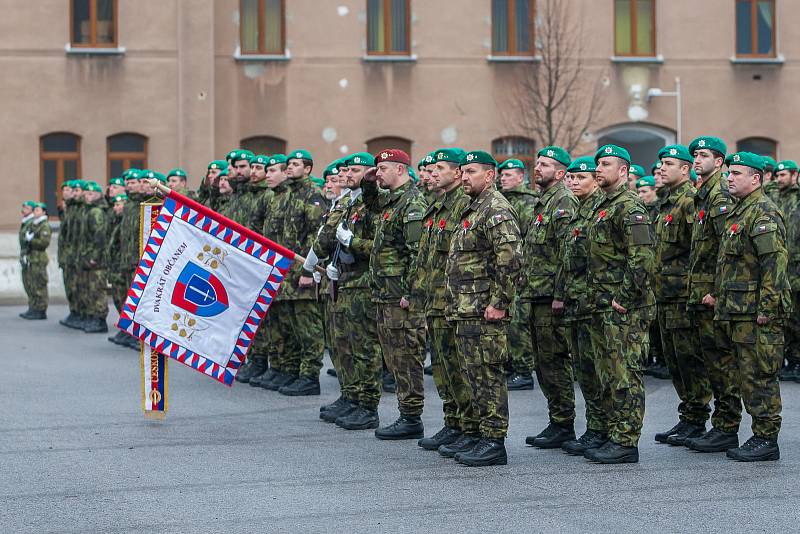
x=343, y=235
x=317, y=277
x=332, y=273
x=29, y=236
x=311, y=261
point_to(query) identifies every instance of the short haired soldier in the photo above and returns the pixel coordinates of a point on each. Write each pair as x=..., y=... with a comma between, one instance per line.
x=34, y=240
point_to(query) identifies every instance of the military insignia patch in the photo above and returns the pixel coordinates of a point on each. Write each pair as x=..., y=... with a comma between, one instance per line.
x=701, y=143
x=723, y=209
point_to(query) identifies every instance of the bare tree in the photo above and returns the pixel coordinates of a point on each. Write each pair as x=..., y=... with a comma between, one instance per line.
x=556, y=98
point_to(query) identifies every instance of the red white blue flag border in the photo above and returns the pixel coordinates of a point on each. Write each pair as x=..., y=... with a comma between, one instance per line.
x=216, y=225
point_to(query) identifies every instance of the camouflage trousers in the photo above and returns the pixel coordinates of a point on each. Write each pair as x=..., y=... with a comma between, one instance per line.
x=260, y=348
x=721, y=368
x=450, y=377
x=328, y=323
x=295, y=337
x=402, y=338
x=579, y=340
x=92, y=293
x=483, y=353
x=619, y=340
x=792, y=331
x=34, y=280
x=683, y=356
x=759, y=353
x=553, y=363
x=70, y=274
x=520, y=342
x=358, y=351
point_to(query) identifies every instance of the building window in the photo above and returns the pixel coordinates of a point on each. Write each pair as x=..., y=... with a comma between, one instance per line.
x=520, y=148
x=59, y=161
x=262, y=27
x=264, y=144
x=126, y=150
x=762, y=146
x=512, y=27
x=93, y=23
x=389, y=27
x=382, y=143
x=635, y=28
x=755, y=28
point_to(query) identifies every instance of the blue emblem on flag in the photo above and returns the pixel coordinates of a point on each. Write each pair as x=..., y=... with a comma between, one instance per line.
x=199, y=292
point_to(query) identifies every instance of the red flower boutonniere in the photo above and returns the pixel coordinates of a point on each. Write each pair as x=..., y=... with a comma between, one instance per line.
x=386, y=215
x=668, y=219
x=442, y=224
x=734, y=229
x=354, y=218
x=429, y=224
x=601, y=215
x=538, y=219
x=701, y=216
x=576, y=233
x=465, y=224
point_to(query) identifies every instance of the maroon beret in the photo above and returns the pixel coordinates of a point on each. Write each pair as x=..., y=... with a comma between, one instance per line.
x=393, y=154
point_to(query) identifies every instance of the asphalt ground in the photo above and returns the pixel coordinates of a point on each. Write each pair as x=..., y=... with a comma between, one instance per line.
x=76, y=455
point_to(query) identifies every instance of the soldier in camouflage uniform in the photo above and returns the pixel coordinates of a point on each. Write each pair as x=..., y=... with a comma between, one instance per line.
x=571, y=301
x=119, y=287
x=209, y=188
x=482, y=269
x=398, y=206
x=67, y=242
x=679, y=339
x=621, y=268
x=788, y=202
x=92, y=274
x=34, y=240
x=543, y=240
x=129, y=237
x=442, y=219
x=711, y=205
x=770, y=185
x=24, y=228
x=520, y=343
x=753, y=298
x=425, y=167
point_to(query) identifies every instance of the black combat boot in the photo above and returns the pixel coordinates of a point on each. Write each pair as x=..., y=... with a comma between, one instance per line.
x=613, y=453
x=714, y=440
x=389, y=385
x=428, y=370
x=277, y=381
x=756, y=449
x=26, y=313
x=302, y=387
x=95, y=325
x=589, y=440
x=345, y=408
x=463, y=444
x=71, y=321
x=334, y=405
x=662, y=437
x=445, y=436
x=359, y=419
x=251, y=369
x=488, y=451
x=690, y=431
x=406, y=427
x=519, y=382
x=263, y=378
x=35, y=315
x=790, y=372
x=551, y=437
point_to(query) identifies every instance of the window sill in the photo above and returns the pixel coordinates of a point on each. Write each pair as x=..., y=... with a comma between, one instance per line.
x=653, y=60
x=777, y=60
x=238, y=56
x=514, y=59
x=86, y=51
x=389, y=58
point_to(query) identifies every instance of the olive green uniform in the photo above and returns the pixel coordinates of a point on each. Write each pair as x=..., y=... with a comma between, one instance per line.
x=92, y=254
x=788, y=202
x=34, y=240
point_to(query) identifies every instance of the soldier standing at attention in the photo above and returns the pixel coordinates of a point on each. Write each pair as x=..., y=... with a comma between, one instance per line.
x=35, y=240
x=92, y=272
x=24, y=227
x=129, y=238
x=482, y=269
x=770, y=185
x=72, y=198
x=753, y=298
x=543, y=240
x=621, y=266
x=119, y=287
x=635, y=173
x=399, y=207
x=678, y=337
x=520, y=343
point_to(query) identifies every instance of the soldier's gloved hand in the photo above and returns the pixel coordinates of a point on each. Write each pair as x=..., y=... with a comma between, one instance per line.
x=317, y=277
x=343, y=235
x=311, y=261
x=332, y=273
x=29, y=236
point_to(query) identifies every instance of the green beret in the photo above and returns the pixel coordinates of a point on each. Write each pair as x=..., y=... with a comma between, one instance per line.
x=712, y=143
x=360, y=158
x=453, y=155
x=557, y=153
x=511, y=164
x=299, y=154
x=332, y=169
x=232, y=154
x=582, y=164
x=150, y=175
x=79, y=184
x=29, y=203
x=318, y=181
x=121, y=198
x=177, y=172
x=131, y=174
x=243, y=155
x=769, y=163
x=787, y=165
x=637, y=170
x=676, y=151
x=223, y=172
x=340, y=163
x=93, y=186
x=654, y=166
x=646, y=181
x=260, y=159
x=427, y=160
x=40, y=205
x=748, y=159
x=119, y=180
x=68, y=183
x=478, y=156
x=276, y=159
x=612, y=150
x=220, y=164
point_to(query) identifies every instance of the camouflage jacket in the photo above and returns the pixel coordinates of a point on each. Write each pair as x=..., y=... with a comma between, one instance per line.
x=353, y=262
x=129, y=233
x=572, y=276
x=772, y=190
x=544, y=236
x=393, y=257
x=66, y=243
x=789, y=204
x=484, y=260
x=237, y=208
x=441, y=220
x=256, y=200
x=74, y=244
x=711, y=206
x=752, y=261
x=674, y=243
x=621, y=252
x=524, y=201
x=92, y=236
x=114, y=242
x=324, y=242
x=24, y=228
x=37, y=246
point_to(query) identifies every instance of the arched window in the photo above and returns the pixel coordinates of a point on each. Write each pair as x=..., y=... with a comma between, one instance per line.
x=264, y=144
x=126, y=150
x=643, y=141
x=377, y=144
x=763, y=146
x=59, y=161
x=521, y=148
